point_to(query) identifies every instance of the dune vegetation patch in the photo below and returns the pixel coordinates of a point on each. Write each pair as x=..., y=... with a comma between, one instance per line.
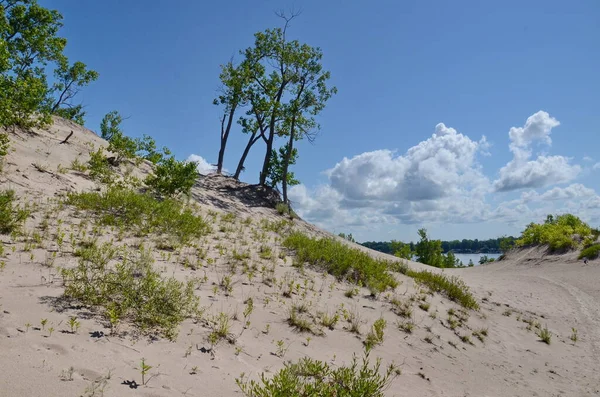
x=142, y=213
x=309, y=377
x=452, y=287
x=11, y=216
x=560, y=233
x=127, y=287
x=590, y=252
x=341, y=261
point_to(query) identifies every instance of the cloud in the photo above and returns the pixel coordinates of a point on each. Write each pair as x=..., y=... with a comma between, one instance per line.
x=437, y=179
x=521, y=172
x=596, y=166
x=428, y=171
x=203, y=166
x=575, y=191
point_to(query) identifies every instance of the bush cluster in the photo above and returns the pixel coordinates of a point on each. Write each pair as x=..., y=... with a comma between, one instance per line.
x=590, y=252
x=341, y=261
x=556, y=232
x=309, y=377
x=130, y=289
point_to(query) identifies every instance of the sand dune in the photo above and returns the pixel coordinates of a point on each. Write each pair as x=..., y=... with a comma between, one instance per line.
x=529, y=287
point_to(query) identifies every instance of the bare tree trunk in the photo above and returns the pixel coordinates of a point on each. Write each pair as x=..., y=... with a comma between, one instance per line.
x=224, y=136
x=251, y=142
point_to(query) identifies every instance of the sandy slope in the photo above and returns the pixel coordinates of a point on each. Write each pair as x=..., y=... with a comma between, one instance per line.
x=554, y=290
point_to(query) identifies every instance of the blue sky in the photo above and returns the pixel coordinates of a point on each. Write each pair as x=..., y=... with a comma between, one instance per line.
x=404, y=72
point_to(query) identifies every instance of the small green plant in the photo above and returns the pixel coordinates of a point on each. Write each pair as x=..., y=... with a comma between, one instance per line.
x=27, y=326
x=329, y=320
x=351, y=292
x=78, y=166
x=43, y=322
x=281, y=349
x=406, y=326
x=194, y=370
x=50, y=331
x=375, y=336
x=74, y=324
x=307, y=341
x=144, y=368
x=424, y=306
x=452, y=287
x=545, y=335
x=574, y=337
x=220, y=326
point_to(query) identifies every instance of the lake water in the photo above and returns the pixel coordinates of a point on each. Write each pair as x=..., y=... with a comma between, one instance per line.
x=464, y=258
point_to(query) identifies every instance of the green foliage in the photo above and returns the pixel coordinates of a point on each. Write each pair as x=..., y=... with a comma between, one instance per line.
x=69, y=80
x=277, y=166
x=141, y=213
x=130, y=289
x=348, y=237
x=400, y=249
x=309, y=377
x=375, y=336
x=11, y=217
x=172, y=177
x=341, y=261
x=4, y=146
x=590, y=252
x=30, y=48
x=452, y=287
x=99, y=167
x=556, y=232
x=111, y=125
x=146, y=149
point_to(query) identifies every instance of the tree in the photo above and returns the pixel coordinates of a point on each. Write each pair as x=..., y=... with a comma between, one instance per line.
x=450, y=260
x=233, y=95
x=285, y=89
x=429, y=251
x=29, y=46
x=69, y=80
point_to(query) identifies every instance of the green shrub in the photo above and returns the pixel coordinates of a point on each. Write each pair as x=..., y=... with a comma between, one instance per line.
x=99, y=167
x=172, y=177
x=142, y=213
x=452, y=287
x=282, y=208
x=590, y=252
x=310, y=377
x=341, y=261
x=557, y=233
x=4, y=146
x=130, y=289
x=11, y=217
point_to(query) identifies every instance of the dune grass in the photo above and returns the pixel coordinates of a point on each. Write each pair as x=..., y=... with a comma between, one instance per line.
x=590, y=252
x=453, y=287
x=341, y=261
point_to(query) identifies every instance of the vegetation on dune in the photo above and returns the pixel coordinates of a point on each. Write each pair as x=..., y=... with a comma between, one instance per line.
x=141, y=213
x=11, y=217
x=341, y=261
x=456, y=246
x=309, y=377
x=590, y=252
x=560, y=233
x=129, y=289
x=452, y=287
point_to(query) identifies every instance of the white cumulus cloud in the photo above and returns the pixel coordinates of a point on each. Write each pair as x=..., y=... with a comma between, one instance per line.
x=204, y=167
x=522, y=172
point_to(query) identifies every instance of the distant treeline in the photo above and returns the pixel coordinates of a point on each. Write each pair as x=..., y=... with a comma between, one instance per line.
x=494, y=245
